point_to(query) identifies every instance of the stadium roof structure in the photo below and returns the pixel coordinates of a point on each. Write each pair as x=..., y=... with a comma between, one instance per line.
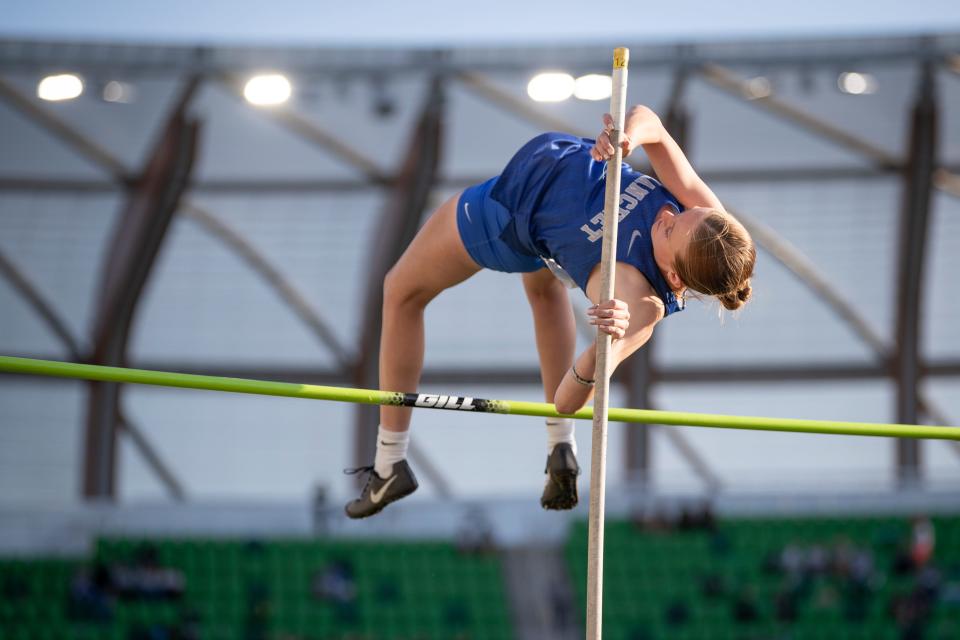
x=184, y=229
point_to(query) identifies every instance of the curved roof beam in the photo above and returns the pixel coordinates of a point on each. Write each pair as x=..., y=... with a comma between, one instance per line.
x=301, y=307
x=31, y=294
x=722, y=78
x=311, y=132
x=259, y=264
x=138, y=233
x=67, y=134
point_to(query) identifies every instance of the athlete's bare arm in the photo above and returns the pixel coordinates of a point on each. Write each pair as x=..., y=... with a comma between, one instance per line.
x=630, y=317
x=643, y=128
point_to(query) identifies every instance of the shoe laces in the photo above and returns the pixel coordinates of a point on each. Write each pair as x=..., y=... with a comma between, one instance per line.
x=355, y=470
x=359, y=470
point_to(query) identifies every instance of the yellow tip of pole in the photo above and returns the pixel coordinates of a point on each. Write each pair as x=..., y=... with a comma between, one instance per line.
x=621, y=55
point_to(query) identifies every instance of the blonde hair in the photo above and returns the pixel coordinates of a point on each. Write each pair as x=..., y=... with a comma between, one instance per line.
x=719, y=260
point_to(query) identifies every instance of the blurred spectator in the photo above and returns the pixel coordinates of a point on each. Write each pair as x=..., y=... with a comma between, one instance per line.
x=910, y=614
x=258, y=612
x=335, y=583
x=843, y=560
x=914, y=554
x=912, y=611
x=793, y=560
x=817, y=560
x=323, y=511
x=476, y=533
x=254, y=547
x=902, y=562
x=697, y=518
x=145, y=578
x=853, y=567
x=922, y=541
x=562, y=607
x=189, y=626
x=745, y=607
x=92, y=595
x=771, y=563
x=14, y=588
x=650, y=519
x=151, y=632
x=659, y=518
x=841, y=575
x=93, y=592
x=861, y=567
x=856, y=601
x=928, y=586
x=186, y=629
x=787, y=604
x=712, y=586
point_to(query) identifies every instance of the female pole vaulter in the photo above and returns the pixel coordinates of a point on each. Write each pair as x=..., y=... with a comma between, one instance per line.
x=540, y=217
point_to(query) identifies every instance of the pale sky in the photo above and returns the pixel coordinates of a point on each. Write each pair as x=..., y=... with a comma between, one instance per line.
x=452, y=22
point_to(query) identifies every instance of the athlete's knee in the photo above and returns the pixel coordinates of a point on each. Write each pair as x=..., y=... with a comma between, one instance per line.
x=567, y=404
x=399, y=290
x=548, y=290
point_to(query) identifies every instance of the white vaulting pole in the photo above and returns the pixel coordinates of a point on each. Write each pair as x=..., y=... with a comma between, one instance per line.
x=598, y=465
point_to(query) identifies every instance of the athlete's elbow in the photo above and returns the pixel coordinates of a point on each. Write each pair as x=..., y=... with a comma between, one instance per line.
x=567, y=405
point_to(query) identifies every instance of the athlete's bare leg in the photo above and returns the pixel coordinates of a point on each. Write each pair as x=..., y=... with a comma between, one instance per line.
x=555, y=327
x=434, y=261
x=556, y=341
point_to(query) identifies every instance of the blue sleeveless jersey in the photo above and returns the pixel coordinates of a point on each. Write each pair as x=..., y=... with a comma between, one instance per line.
x=555, y=192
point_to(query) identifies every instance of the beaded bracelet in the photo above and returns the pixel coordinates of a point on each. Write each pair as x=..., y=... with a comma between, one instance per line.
x=580, y=379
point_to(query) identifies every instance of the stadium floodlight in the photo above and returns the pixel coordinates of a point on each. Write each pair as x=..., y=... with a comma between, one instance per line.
x=267, y=90
x=758, y=87
x=593, y=86
x=551, y=87
x=118, y=92
x=856, y=83
x=64, y=86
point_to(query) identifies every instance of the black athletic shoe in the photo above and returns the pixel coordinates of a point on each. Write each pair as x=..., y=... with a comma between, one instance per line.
x=562, y=470
x=379, y=492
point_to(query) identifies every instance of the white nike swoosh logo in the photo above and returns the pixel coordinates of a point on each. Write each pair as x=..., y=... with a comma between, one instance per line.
x=377, y=496
x=636, y=234
x=466, y=210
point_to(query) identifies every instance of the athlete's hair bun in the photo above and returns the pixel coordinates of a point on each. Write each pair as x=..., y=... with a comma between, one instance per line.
x=736, y=299
x=719, y=260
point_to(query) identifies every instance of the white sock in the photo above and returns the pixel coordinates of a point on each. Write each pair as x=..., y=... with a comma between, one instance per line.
x=391, y=447
x=560, y=430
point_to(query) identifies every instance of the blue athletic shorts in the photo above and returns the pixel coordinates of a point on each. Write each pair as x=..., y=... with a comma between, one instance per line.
x=481, y=221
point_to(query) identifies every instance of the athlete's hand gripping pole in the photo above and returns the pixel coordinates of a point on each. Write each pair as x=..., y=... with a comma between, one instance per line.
x=598, y=464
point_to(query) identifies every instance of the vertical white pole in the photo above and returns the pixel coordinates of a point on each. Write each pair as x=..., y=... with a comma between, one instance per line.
x=598, y=465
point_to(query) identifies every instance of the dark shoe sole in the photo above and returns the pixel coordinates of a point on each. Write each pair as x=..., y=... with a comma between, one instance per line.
x=567, y=497
x=380, y=507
